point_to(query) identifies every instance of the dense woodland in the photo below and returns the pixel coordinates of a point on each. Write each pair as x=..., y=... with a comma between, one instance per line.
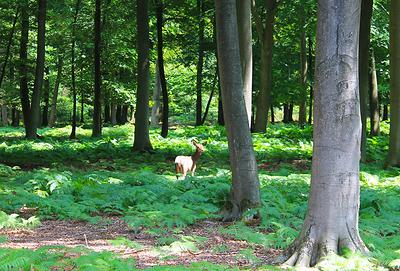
x=199, y=135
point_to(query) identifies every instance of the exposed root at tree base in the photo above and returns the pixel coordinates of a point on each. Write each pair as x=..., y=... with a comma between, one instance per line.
x=310, y=248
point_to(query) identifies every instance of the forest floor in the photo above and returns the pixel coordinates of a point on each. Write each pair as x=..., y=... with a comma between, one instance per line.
x=92, y=204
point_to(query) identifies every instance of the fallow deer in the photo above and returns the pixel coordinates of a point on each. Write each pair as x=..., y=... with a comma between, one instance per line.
x=184, y=164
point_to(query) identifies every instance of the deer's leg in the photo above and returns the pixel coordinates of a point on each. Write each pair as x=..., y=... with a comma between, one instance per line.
x=178, y=169
x=193, y=169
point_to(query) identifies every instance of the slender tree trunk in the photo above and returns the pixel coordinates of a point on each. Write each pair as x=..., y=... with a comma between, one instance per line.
x=53, y=111
x=142, y=139
x=303, y=76
x=290, y=113
x=82, y=106
x=331, y=223
x=385, y=114
x=73, y=80
x=200, y=61
x=272, y=114
x=97, y=72
x=245, y=185
x=365, y=30
x=107, y=110
x=373, y=98
x=15, y=116
x=211, y=96
x=119, y=114
x=160, y=56
x=46, y=94
x=221, y=120
x=4, y=117
x=155, y=111
x=310, y=75
x=285, y=113
x=124, y=113
x=243, y=8
x=394, y=140
x=39, y=72
x=23, y=67
x=8, y=48
x=113, y=114
x=266, y=37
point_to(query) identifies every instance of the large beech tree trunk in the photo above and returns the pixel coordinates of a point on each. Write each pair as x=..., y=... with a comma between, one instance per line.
x=53, y=111
x=365, y=30
x=266, y=37
x=310, y=75
x=246, y=51
x=96, y=131
x=394, y=141
x=331, y=223
x=373, y=98
x=245, y=185
x=142, y=139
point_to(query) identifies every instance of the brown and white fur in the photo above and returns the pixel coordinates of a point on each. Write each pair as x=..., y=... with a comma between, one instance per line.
x=184, y=164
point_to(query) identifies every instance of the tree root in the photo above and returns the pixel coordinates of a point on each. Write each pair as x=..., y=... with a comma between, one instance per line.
x=308, y=249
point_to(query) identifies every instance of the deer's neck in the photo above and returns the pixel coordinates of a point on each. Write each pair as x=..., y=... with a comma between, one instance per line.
x=196, y=156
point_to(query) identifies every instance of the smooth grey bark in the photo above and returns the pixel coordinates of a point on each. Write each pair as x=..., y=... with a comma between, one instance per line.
x=245, y=190
x=310, y=75
x=365, y=30
x=394, y=139
x=373, y=98
x=303, y=74
x=331, y=223
x=142, y=139
x=97, y=125
x=39, y=72
x=243, y=8
x=155, y=110
x=200, y=62
x=53, y=110
x=266, y=37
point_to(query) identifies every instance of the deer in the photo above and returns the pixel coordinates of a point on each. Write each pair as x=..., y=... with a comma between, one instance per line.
x=184, y=164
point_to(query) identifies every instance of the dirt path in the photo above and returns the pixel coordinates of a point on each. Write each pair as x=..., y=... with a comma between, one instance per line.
x=216, y=248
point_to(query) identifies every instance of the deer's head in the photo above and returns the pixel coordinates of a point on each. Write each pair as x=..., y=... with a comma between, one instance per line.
x=199, y=147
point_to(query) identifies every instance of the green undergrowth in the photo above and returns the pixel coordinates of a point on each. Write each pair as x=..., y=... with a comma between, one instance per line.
x=90, y=179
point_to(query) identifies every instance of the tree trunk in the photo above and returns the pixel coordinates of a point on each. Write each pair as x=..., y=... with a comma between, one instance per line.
x=160, y=56
x=23, y=66
x=394, y=140
x=310, y=75
x=155, y=111
x=331, y=223
x=96, y=131
x=15, y=117
x=285, y=113
x=221, y=120
x=82, y=106
x=53, y=111
x=113, y=114
x=119, y=114
x=303, y=75
x=373, y=98
x=142, y=139
x=211, y=96
x=124, y=114
x=272, y=114
x=290, y=113
x=385, y=114
x=245, y=185
x=107, y=111
x=266, y=37
x=365, y=30
x=243, y=8
x=39, y=72
x=199, y=81
x=46, y=94
x=4, y=117
x=8, y=48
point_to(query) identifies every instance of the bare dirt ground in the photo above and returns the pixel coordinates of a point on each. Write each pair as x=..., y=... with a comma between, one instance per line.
x=217, y=247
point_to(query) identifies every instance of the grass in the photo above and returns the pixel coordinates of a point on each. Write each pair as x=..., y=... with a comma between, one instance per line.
x=88, y=178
